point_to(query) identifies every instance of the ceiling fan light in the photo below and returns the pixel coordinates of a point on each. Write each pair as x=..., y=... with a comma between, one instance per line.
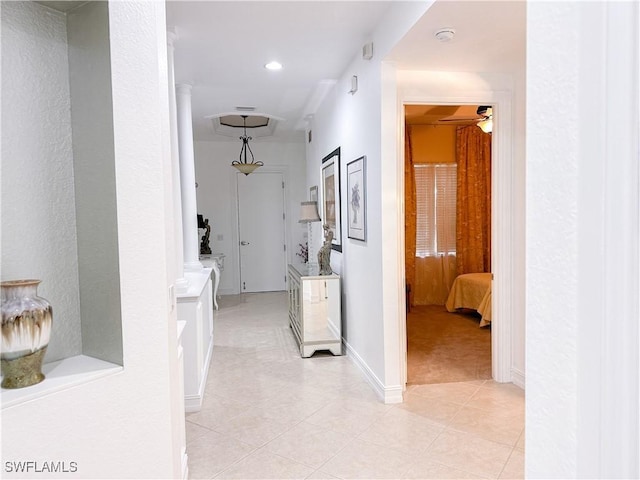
x=486, y=125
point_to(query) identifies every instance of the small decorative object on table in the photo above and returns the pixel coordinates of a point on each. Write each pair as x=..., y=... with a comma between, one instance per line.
x=26, y=328
x=324, y=254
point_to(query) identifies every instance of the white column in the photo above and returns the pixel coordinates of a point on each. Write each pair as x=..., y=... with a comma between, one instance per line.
x=187, y=179
x=181, y=283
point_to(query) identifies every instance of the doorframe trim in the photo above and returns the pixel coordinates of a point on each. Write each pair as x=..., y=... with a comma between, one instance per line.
x=282, y=169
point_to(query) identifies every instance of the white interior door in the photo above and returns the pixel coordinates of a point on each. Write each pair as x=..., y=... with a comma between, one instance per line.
x=262, y=232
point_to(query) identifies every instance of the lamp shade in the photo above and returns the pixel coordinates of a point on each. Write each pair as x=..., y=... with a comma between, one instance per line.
x=246, y=168
x=309, y=212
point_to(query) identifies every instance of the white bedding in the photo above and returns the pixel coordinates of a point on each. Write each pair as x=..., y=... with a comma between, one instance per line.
x=473, y=291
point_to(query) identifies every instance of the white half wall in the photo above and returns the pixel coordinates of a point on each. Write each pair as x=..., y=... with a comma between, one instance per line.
x=217, y=197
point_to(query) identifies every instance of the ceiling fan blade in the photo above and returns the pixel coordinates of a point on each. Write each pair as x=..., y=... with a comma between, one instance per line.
x=460, y=119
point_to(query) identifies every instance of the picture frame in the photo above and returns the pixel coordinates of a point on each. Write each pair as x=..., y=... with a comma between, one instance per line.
x=357, y=199
x=313, y=194
x=331, y=197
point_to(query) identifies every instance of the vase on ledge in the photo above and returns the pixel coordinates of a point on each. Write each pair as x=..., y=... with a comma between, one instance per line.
x=26, y=329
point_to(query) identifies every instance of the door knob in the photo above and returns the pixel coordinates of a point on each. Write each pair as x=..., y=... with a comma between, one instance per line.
x=244, y=243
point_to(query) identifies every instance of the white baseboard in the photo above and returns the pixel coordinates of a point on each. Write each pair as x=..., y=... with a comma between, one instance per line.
x=387, y=394
x=517, y=377
x=192, y=403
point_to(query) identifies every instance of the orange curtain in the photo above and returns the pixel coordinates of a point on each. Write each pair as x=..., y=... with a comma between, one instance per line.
x=473, y=212
x=409, y=212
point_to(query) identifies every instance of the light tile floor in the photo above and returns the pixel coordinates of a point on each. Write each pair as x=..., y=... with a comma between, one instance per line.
x=270, y=414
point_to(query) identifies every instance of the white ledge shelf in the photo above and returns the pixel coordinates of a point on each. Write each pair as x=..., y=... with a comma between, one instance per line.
x=59, y=376
x=197, y=282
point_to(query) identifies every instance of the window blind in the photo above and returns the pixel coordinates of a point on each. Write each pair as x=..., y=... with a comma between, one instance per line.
x=435, y=209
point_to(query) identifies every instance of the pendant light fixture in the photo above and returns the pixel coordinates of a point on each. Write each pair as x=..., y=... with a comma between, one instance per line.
x=242, y=164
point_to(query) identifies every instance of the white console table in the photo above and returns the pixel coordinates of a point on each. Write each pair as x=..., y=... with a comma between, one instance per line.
x=214, y=261
x=315, y=314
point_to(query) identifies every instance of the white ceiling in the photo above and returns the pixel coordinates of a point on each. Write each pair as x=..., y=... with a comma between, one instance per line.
x=222, y=47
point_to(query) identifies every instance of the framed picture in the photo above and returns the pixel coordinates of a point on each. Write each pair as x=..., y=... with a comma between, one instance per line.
x=331, y=196
x=313, y=194
x=357, y=199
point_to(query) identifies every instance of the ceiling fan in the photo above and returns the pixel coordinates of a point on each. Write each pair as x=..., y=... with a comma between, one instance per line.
x=486, y=124
x=483, y=112
x=483, y=118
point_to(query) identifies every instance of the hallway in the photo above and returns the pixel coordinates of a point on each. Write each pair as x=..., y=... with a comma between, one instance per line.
x=269, y=414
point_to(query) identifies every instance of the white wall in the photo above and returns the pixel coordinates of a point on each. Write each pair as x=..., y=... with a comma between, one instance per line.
x=583, y=211
x=217, y=196
x=354, y=123
x=38, y=207
x=120, y=426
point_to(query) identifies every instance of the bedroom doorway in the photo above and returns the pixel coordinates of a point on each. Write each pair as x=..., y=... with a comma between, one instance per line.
x=448, y=205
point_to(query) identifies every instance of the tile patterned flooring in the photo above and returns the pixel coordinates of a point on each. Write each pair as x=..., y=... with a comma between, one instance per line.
x=270, y=414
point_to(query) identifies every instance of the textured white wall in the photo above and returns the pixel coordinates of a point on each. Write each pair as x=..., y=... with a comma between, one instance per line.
x=38, y=208
x=552, y=243
x=217, y=196
x=583, y=213
x=122, y=426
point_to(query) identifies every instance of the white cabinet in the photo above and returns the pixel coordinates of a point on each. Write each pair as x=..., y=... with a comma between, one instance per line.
x=195, y=306
x=315, y=314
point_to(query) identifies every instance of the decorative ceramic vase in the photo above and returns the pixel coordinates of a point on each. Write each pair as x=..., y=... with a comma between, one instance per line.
x=26, y=328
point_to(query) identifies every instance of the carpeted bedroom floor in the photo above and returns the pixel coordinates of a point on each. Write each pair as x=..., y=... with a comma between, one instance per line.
x=446, y=347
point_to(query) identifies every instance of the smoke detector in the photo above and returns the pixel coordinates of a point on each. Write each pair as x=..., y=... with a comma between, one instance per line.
x=445, y=34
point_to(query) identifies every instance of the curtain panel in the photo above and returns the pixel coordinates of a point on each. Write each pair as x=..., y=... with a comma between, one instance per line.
x=473, y=212
x=409, y=214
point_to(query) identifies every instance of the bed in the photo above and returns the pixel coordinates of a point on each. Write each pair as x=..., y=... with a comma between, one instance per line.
x=472, y=291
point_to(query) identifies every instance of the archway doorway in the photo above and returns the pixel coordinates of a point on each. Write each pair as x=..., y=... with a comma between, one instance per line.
x=447, y=224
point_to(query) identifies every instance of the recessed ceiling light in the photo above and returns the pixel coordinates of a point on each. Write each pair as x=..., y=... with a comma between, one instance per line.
x=273, y=66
